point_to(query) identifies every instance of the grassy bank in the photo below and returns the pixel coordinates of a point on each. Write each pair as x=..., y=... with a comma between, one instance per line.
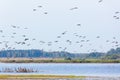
x=48, y=60
x=54, y=77
x=38, y=76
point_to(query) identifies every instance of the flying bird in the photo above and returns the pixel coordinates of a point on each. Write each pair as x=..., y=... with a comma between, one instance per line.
x=33, y=39
x=98, y=37
x=77, y=42
x=117, y=12
x=24, y=35
x=64, y=48
x=78, y=24
x=28, y=44
x=69, y=42
x=87, y=40
x=34, y=9
x=14, y=33
x=81, y=45
x=26, y=28
x=23, y=43
x=12, y=36
x=114, y=37
x=117, y=18
x=45, y=12
x=26, y=39
x=1, y=31
x=64, y=33
x=107, y=40
x=100, y=1
x=58, y=36
x=55, y=41
x=39, y=6
x=13, y=26
x=74, y=8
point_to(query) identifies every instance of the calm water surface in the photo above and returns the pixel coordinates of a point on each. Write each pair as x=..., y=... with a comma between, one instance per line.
x=67, y=68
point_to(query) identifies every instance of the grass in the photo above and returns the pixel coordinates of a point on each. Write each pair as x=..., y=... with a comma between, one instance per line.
x=39, y=76
x=47, y=60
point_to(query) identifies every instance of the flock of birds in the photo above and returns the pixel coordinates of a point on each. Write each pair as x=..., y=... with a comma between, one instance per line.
x=38, y=8
x=26, y=41
x=117, y=15
x=80, y=39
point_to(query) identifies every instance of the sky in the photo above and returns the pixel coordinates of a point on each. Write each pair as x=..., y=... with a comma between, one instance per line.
x=89, y=25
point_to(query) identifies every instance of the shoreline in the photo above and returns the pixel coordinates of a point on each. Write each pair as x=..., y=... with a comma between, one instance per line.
x=55, y=60
x=55, y=77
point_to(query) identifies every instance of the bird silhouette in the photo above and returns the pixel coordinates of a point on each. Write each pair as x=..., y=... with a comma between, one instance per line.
x=55, y=41
x=33, y=39
x=1, y=31
x=100, y=1
x=14, y=26
x=98, y=37
x=58, y=36
x=64, y=33
x=39, y=6
x=25, y=28
x=14, y=33
x=117, y=12
x=24, y=35
x=78, y=24
x=45, y=12
x=26, y=39
x=34, y=9
x=74, y=8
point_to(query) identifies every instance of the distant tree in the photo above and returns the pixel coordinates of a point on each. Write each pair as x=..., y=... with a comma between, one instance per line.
x=114, y=51
x=95, y=55
x=68, y=58
x=118, y=50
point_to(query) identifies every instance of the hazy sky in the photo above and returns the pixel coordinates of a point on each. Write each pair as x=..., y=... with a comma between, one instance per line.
x=96, y=19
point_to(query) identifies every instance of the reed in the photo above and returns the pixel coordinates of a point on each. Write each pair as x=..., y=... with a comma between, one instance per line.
x=18, y=70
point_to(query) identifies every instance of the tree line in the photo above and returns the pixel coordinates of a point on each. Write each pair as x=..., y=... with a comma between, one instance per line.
x=33, y=53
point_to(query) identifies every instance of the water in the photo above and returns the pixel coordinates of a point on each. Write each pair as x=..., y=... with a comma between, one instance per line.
x=84, y=69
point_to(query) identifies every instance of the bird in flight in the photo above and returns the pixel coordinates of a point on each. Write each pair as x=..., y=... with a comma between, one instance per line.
x=39, y=6
x=45, y=12
x=13, y=26
x=34, y=9
x=26, y=39
x=1, y=31
x=64, y=33
x=117, y=12
x=98, y=37
x=78, y=24
x=100, y=1
x=74, y=8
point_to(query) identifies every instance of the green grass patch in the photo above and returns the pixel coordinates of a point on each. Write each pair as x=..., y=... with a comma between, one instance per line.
x=38, y=76
x=60, y=61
